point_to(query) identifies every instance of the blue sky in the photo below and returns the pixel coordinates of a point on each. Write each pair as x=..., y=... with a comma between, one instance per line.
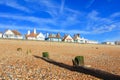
x=93, y=19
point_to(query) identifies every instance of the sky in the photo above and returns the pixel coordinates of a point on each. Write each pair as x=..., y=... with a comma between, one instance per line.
x=97, y=20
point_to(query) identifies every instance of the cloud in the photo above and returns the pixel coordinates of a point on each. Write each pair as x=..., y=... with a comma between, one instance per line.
x=27, y=18
x=63, y=17
x=14, y=4
x=48, y=6
x=62, y=6
x=93, y=15
x=104, y=28
x=43, y=21
x=117, y=14
x=99, y=24
x=2, y=26
x=90, y=3
x=114, y=38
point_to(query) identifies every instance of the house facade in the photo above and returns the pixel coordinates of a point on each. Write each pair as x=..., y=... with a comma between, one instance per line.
x=91, y=42
x=12, y=34
x=0, y=35
x=117, y=42
x=67, y=38
x=40, y=36
x=54, y=37
x=78, y=39
x=34, y=35
x=109, y=43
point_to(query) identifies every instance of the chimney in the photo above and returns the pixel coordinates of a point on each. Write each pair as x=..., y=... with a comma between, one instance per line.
x=34, y=31
x=78, y=35
x=28, y=32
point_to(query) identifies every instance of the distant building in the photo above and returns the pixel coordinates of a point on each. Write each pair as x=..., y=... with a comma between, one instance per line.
x=54, y=37
x=67, y=38
x=34, y=35
x=91, y=42
x=78, y=39
x=109, y=43
x=12, y=34
x=117, y=42
x=1, y=35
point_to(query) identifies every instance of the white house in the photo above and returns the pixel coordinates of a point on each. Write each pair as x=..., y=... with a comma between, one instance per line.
x=34, y=35
x=40, y=36
x=0, y=35
x=67, y=38
x=54, y=37
x=78, y=39
x=12, y=34
x=117, y=42
x=91, y=42
x=109, y=43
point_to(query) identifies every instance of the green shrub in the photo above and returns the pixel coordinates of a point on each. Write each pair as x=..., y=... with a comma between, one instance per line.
x=19, y=49
x=45, y=54
x=79, y=60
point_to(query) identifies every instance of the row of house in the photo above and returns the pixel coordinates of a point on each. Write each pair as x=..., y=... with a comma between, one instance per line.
x=14, y=34
x=111, y=43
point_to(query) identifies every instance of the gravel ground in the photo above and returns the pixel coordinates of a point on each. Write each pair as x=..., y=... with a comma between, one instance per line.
x=22, y=65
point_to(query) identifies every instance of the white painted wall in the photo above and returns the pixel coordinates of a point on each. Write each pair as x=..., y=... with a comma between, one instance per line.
x=0, y=35
x=92, y=42
x=10, y=34
x=110, y=43
x=40, y=36
x=31, y=38
x=69, y=39
x=80, y=40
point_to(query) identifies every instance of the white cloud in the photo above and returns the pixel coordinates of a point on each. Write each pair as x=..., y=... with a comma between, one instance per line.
x=114, y=38
x=64, y=17
x=27, y=18
x=14, y=4
x=90, y=3
x=117, y=14
x=41, y=29
x=62, y=6
x=104, y=28
x=100, y=24
x=93, y=15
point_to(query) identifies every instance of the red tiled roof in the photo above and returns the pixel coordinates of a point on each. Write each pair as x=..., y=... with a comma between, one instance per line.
x=32, y=35
x=16, y=32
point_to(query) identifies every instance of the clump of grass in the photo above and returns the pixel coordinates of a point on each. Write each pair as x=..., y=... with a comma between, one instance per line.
x=45, y=54
x=78, y=61
x=96, y=47
x=28, y=51
x=19, y=49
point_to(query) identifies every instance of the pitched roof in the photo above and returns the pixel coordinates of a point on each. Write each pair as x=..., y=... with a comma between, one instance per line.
x=16, y=32
x=32, y=35
x=76, y=36
x=65, y=36
x=13, y=31
x=54, y=35
x=58, y=35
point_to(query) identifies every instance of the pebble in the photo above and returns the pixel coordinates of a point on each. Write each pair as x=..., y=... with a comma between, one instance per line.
x=34, y=69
